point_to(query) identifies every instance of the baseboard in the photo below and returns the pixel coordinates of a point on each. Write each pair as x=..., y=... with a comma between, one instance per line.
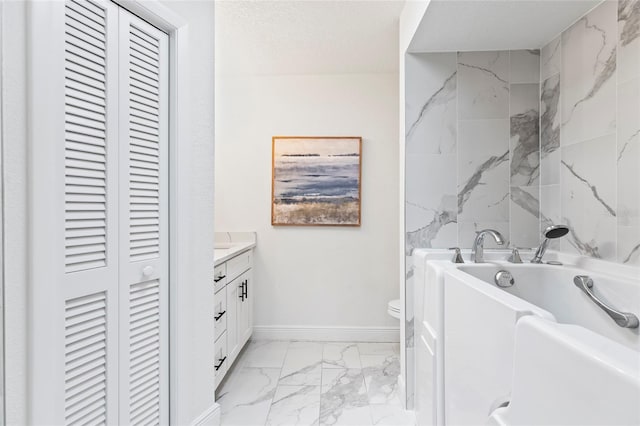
x=327, y=334
x=210, y=417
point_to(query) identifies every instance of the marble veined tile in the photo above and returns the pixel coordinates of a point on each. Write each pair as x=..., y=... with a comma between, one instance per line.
x=344, y=398
x=430, y=104
x=588, y=76
x=468, y=231
x=550, y=131
x=629, y=245
x=483, y=171
x=264, y=354
x=483, y=85
x=295, y=405
x=628, y=153
x=245, y=400
x=525, y=216
x=588, y=197
x=391, y=415
x=550, y=204
x=431, y=201
x=303, y=364
x=525, y=66
x=341, y=355
x=550, y=59
x=381, y=378
x=628, y=40
x=379, y=348
x=525, y=139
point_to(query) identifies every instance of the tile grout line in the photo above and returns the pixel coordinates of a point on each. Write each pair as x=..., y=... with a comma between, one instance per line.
x=275, y=390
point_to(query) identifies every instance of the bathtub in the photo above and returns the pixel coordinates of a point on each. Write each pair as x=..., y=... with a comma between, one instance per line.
x=552, y=289
x=466, y=344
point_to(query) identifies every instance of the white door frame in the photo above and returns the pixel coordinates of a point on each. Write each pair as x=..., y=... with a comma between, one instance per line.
x=165, y=19
x=2, y=242
x=176, y=27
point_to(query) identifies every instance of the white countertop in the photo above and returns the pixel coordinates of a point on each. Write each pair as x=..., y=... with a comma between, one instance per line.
x=231, y=244
x=227, y=251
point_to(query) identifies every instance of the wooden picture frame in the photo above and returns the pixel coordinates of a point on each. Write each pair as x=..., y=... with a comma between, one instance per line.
x=316, y=180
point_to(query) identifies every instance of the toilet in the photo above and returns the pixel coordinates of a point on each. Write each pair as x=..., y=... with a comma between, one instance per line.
x=393, y=308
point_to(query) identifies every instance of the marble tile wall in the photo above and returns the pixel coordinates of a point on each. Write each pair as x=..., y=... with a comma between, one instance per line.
x=590, y=126
x=472, y=147
x=472, y=154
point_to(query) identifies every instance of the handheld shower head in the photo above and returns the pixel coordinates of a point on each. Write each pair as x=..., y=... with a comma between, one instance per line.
x=556, y=231
x=552, y=232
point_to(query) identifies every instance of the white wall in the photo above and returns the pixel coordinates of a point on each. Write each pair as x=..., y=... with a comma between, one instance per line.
x=312, y=276
x=410, y=18
x=195, y=376
x=14, y=178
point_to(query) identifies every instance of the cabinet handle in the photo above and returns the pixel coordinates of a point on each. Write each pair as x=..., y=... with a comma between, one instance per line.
x=217, y=317
x=241, y=288
x=246, y=289
x=217, y=367
x=221, y=277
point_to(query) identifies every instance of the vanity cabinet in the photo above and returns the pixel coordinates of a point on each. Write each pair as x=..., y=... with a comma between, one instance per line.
x=233, y=300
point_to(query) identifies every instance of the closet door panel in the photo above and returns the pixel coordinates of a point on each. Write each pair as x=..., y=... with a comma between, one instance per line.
x=74, y=213
x=143, y=222
x=90, y=212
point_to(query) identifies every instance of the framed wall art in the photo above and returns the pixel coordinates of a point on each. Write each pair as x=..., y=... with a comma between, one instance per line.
x=316, y=180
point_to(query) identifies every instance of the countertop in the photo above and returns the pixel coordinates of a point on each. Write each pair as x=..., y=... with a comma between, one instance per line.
x=226, y=251
x=231, y=244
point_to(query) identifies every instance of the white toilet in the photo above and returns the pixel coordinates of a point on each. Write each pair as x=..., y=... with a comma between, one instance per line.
x=393, y=308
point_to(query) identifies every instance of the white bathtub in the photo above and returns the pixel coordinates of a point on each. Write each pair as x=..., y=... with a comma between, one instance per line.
x=467, y=339
x=551, y=288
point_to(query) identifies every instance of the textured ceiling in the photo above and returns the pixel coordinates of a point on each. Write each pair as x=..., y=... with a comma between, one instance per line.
x=306, y=36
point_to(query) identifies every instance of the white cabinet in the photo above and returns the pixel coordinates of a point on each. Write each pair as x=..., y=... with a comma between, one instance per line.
x=244, y=309
x=233, y=292
x=233, y=301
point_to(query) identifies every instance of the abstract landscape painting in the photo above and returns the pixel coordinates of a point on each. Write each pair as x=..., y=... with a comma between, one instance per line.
x=316, y=181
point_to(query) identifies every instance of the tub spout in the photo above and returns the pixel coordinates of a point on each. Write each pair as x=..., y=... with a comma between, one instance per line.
x=477, y=251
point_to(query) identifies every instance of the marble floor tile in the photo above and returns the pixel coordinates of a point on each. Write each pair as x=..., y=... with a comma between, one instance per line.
x=314, y=383
x=341, y=355
x=246, y=399
x=375, y=348
x=264, y=354
x=344, y=398
x=295, y=405
x=381, y=378
x=391, y=415
x=303, y=364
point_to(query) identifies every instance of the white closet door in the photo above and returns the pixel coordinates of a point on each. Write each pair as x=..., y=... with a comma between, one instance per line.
x=89, y=275
x=143, y=196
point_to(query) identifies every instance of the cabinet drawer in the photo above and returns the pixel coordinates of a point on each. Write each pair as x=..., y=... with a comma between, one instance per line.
x=220, y=277
x=238, y=265
x=221, y=361
x=220, y=312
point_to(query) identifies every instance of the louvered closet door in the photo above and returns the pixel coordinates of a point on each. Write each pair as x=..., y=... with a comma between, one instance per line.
x=90, y=277
x=143, y=223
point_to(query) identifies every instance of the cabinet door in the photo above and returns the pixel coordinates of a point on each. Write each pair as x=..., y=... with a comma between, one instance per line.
x=233, y=294
x=244, y=309
x=143, y=197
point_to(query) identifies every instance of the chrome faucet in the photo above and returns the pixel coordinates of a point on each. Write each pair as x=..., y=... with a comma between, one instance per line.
x=477, y=251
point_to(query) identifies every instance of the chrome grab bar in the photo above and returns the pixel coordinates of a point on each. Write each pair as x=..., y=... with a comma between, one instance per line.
x=623, y=319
